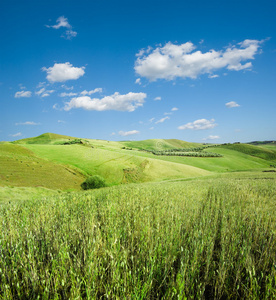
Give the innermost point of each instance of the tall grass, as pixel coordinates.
(179, 240)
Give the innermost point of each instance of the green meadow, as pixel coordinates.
(165, 227)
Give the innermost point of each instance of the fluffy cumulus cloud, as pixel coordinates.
(172, 61)
(62, 22)
(211, 137)
(128, 102)
(127, 133)
(174, 109)
(63, 72)
(162, 120)
(201, 124)
(23, 94)
(27, 123)
(232, 104)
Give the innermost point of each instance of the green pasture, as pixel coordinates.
(208, 238)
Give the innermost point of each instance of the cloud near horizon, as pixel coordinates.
(128, 102)
(62, 72)
(201, 124)
(27, 123)
(211, 137)
(127, 133)
(172, 61)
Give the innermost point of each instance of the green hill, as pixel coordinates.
(252, 150)
(20, 167)
(159, 144)
(45, 138)
(62, 162)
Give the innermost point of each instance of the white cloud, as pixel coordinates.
(157, 98)
(168, 113)
(199, 125)
(113, 133)
(23, 94)
(211, 137)
(174, 109)
(67, 87)
(97, 90)
(232, 104)
(151, 120)
(138, 81)
(27, 123)
(67, 94)
(213, 76)
(62, 72)
(44, 93)
(151, 128)
(172, 61)
(63, 22)
(60, 121)
(126, 133)
(16, 134)
(162, 120)
(128, 102)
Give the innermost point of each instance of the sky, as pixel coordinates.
(195, 70)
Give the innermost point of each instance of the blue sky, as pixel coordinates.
(200, 71)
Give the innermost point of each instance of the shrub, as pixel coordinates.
(93, 182)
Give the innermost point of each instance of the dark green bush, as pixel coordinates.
(93, 182)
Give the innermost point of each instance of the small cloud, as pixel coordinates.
(151, 128)
(113, 133)
(232, 104)
(174, 109)
(138, 81)
(44, 93)
(201, 41)
(168, 113)
(63, 22)
(211, 137)
(213, 76)
(56, 106)
(22, 87)
(151, 120)
(157, 98)
(27, 123)
(23, 94)
(67, 94)
(60, 121)
(68, 88)
(201, 124)
(63, 72)
(127, 133)
(162, 120)
(16, 134)
(97, 90)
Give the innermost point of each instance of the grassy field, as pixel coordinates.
(167, 227)
(197, 239)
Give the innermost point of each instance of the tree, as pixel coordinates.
(93, 182)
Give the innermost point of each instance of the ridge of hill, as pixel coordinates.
(45, 138)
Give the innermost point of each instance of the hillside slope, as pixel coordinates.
(20, 167)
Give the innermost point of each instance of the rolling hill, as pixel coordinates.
(63, 162)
